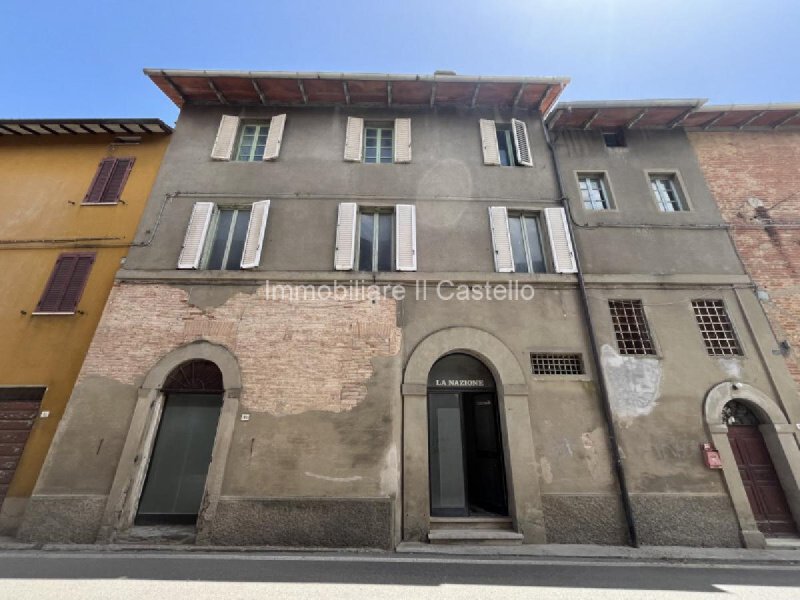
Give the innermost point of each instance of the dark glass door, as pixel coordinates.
(467, 474)
(760, 480)
(486, 473)
(181, 454)
(446, 455)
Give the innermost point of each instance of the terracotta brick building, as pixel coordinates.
(755, 177)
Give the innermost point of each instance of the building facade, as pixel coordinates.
(383, 309)
(72, 195)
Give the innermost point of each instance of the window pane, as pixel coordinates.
(220, 239)
(517, 245)
(234, 261)
(504, 144)
(385, 242)
(365, 242)
(535, 245)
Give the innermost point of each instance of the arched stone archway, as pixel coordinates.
(779, 436)
(524, 495)
(132, 468)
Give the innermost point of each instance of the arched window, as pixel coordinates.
(736, 412)
(199, 376)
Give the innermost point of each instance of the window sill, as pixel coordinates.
(37, 314)
(101, 203)
(561, 378)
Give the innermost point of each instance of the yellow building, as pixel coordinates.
(71, 195)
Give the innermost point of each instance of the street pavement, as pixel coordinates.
(41, 575)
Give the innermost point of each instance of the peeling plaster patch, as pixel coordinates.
(390, 472)
(731, 366)
(547, 471)
(633, 383)
(335, 479)
(589, 454)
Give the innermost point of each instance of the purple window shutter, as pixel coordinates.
(100, 181)
(66, 283)
(119, 175)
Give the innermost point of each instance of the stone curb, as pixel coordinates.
(555, 551)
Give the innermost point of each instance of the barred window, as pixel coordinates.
(630, 327)
(716, 327)
(548, 363)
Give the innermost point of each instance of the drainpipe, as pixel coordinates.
(608, 414)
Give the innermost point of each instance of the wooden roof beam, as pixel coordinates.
(173, 86)
(346, 90)
(636, 119)
(475, 95)
(786, 120)
(216, 90)
(591, 119)
(751, 119)
(518, 95)
(713, 121)
(680, 118)
(259, 91)
(302, 91)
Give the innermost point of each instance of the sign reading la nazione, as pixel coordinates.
(459, 383)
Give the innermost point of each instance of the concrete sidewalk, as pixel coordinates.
(786, 554)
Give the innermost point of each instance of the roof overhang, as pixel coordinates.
(628, 114)
(118, 127)
(667, 114)
(279, 88)
(744, 117)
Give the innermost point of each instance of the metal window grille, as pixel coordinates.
(630, 327)
(547, 363)
(716, 328)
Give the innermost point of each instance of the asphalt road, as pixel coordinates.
(173, 576)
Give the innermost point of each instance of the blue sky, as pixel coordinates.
(80, 58)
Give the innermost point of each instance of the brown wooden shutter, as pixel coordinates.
(112, 173)
(66, 283)
(100, 181)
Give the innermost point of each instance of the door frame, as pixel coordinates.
(126, 490)
(781, 439)
(522, 481)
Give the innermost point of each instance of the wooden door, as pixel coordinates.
(18, 412)
(761, 482)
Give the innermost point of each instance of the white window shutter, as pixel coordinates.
(402, 140)
(501, 239)
(226, 138)
(254, 242)
(346, 237)
(195, 237)
(491, 151)
(521, 144)
(560, 242)
(274, 137)
(353, 139)
(405, 218)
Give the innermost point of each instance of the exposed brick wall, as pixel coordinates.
(295, 354)
(764, 166)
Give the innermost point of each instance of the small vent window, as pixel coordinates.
(630, 327)
(547, 363)
(716, 328)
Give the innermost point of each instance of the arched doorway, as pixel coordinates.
(761, 483)
(178, 468)
(467, 470)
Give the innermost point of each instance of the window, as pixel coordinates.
(526, 244)
(378, 144)
(67, 281)
(375, 241)
(110, 178)
(226, 244)
(593, 192)
(505, 144)
(252, 141)
(547, 363)
(248, 141)
(614, 139)
(630, 327)
(228, 238)
(667, 193)
(716, 328)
